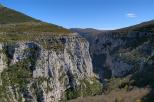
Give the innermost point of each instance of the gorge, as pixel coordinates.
(43, 62)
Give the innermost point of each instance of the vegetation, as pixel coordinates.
(33, 27)
(140, 79)
(11, 16)
(144, 79)
(15, 26)
(16, 76)
(1, 6)
(143, 27)
(85, 88)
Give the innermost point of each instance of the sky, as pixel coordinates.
(98, 14)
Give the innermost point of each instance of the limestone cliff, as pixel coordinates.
(120, 52)
(35, 74)
(42, 62)
(124, 60)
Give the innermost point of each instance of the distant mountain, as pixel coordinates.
(86, 31)
(145, 26)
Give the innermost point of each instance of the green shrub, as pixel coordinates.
(86, 88)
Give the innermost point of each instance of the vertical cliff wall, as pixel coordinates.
(52, 69)
(121, 52)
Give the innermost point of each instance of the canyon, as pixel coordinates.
(43, 62)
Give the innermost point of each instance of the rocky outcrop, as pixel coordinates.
(3, 63)
(107, 45)
(47, 70)
(118, 53)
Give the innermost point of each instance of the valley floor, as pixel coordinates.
(117, 96)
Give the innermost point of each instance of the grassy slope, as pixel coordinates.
(13, 24)
(10, 16)
(144, 27)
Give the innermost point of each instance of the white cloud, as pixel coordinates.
(131, 15)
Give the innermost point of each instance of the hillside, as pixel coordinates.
(86, 30)
(11, 16)
(13, 22)
(42, 62)
(123, 60)
(142, 27)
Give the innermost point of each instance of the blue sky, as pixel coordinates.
(100, 14)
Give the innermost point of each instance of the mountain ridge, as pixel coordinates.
(130, 28)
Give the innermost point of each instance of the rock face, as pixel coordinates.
(60, 71)
(2, 62)
(123, 59)
(42, 62)
(119, 53)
